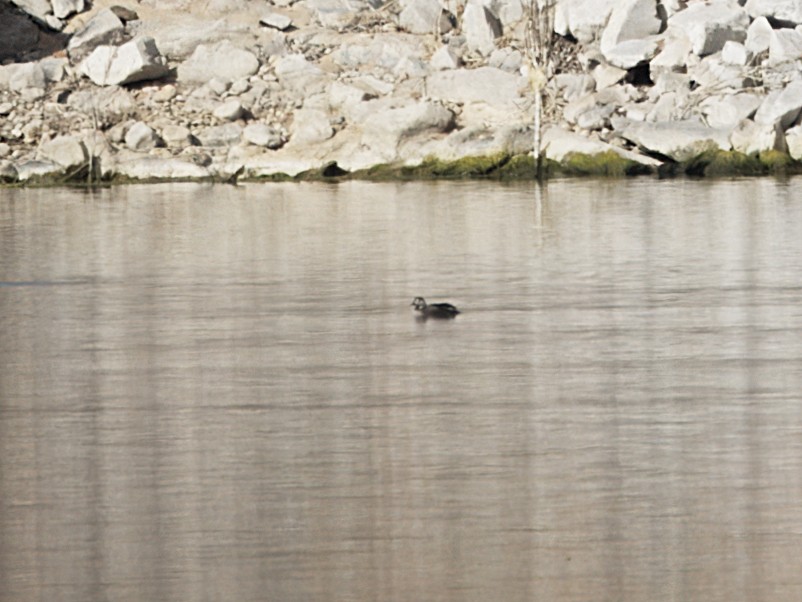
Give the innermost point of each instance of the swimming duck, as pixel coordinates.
(434, 310)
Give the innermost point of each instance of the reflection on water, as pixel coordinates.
(220, 393)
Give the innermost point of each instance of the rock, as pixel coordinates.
(176, 136)
(39, 9)
(67, 151)
(558, 144)
(124, 13)
(260, 134)
(165, 93)
(64, 8)
(709, 26)
(33, 170)
(750, 137)
(22, 76)
(480, 140)
(230, 110)
(583, 19)
(310, 126)
(727, 111)
(444, 58)
(673, 57)
(788, 11)
(678, 140)
(134, 61)
(335, 14)
(420, 16)
(5, 150)
(606, 75)
(54, 68)
(159, 168)
(784, 45)
(107, 106)
(141, 137)
(793, 140)
(6, 108)
(712, 72)
(485, 84)
(342, 94)
(630, 20)
(506, 59)
(632, 52)
(758, 35)
(301, 76)
(223, 61)
(8, 173)
(781, 106)
(481, 27)
(735, 53)
(276, 21)
(573, 86)
(105, 28)
(385, 130)
(227, 134)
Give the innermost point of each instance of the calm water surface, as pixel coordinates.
(221, 394)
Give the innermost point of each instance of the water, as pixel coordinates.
(219, 393)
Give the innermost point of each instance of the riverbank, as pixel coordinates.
(243, 89)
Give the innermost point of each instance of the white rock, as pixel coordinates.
(632, 52)
(420, 16)
(485, 84)
(782, 10)
(22, 76)
(231, 110)
(176, 136)
(36, 8)
(227, 134)
(506, 59)
(784, 45)
(630, 20)
(6, 108)
(729, 110)
(301, 76)
(223, 61)
(105, 28)
(679, 140)
(165, 93)
(583, 19)
(160, 168)
(310, 126)
(444, 58)
(758, 35)
(32, 170)
(342, 94)
(260, 134)
(673, 57)
(709, 26)
(5, 150)
(67, 151)
(134, 61)
(793, 140)
(141, 137)
(713, 72)
(606, 75)
(385, 130)
(559, 143)
(64, 8)
(276, 21)
(109, 105)
(54, 68)
(735, 53)
(781, 106)
(335, 14)
(481, 27)
(574, 85)
(750, 137)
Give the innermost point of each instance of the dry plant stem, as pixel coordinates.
(539, 43)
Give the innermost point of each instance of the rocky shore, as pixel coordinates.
(251, 89)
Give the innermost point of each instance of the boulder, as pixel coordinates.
(606, 75)
(67, 151)
(40, 9)
(134, 61)
(276, 21)
(735, 53)
(444, 58)
(32, 170)
(630, 20)
(784, 45)
(793, 140)
(713, 72)
(231, 110)
(485, 84)
(572, 86)
(18, 77)
(335, 14)
(481, 27)
(758, 35)
(223, 61)
(729, 110)
(583, 19)
(160, 168)
(678, 140)
(558, 143)
(781, 106)
(310, 126)
(506, 59)
(227, 134)
(8, 173)
(107, 106)
(301, 76)
(105, 28)
(751, 138)
(709, 26)
(64, 8)
(420, 16)
(176, 136)
(342, 95)
(788, 11)
(54, 68)
(632, 53)
(673, 57)
(260, 134)
(385, 130)
(141, 137)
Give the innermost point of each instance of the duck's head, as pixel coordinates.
(419, 303)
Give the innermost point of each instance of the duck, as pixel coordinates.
(443, 311)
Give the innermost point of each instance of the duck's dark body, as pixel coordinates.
(443, 311)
